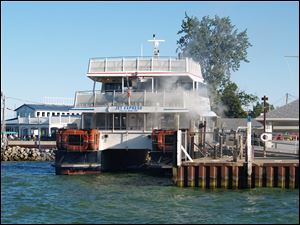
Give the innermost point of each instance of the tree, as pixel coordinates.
(258, 109)
(219, 48)
(231, 100)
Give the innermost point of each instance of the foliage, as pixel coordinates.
(219, 48)
(258, 109)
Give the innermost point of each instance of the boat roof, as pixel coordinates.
(143, 67)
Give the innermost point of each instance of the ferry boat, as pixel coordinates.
(139, 97)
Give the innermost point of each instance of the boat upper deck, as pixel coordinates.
(143, 66)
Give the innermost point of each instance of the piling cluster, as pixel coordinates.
(17, 153)
(268, 173)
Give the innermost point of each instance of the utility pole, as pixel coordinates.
(249, 158)
(286, 98)
(265, 98)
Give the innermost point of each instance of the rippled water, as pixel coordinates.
(32, 193)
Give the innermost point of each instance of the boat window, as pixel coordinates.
(87, 121)
(112, 87)
(76, 139)
(117, 121)
(123, 121)
(100, 121)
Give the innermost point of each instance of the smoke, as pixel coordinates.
(178, 92)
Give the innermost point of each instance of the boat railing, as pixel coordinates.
(144, 64)
(180, 99)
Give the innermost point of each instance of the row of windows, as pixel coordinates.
(55, 114)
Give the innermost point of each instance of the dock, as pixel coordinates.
(224, 173)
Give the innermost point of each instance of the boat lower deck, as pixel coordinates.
(70, 162)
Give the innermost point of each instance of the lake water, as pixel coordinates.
(32, 193)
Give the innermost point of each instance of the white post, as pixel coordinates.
(269, 134)
(186, 65)
(152, 84)
(82, 121)
(178, 147)
(186, 154)
(249, 147)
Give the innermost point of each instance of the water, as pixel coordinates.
(32, 193)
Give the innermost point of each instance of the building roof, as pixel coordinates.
(288, 111)
(234, 123)
(47, 107)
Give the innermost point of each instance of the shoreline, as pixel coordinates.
(18, 153)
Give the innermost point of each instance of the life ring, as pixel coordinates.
(264, 135)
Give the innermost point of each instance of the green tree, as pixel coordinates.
(219, 48)
(258, 109)
(230, 98)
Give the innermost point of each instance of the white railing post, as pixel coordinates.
(186, 65)
(249, 147)
(152, 84)
(186, 154)
(178, 148)
(145, 97)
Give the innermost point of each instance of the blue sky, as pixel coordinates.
(45, 46)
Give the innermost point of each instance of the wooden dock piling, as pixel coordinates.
(224, 173)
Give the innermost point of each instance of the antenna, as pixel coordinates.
(155, 45)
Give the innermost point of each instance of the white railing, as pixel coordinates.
(163, 99)
(143, 64)
(48, 120)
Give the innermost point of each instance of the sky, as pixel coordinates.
(46, 46)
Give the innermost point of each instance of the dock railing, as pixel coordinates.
(233, 145)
